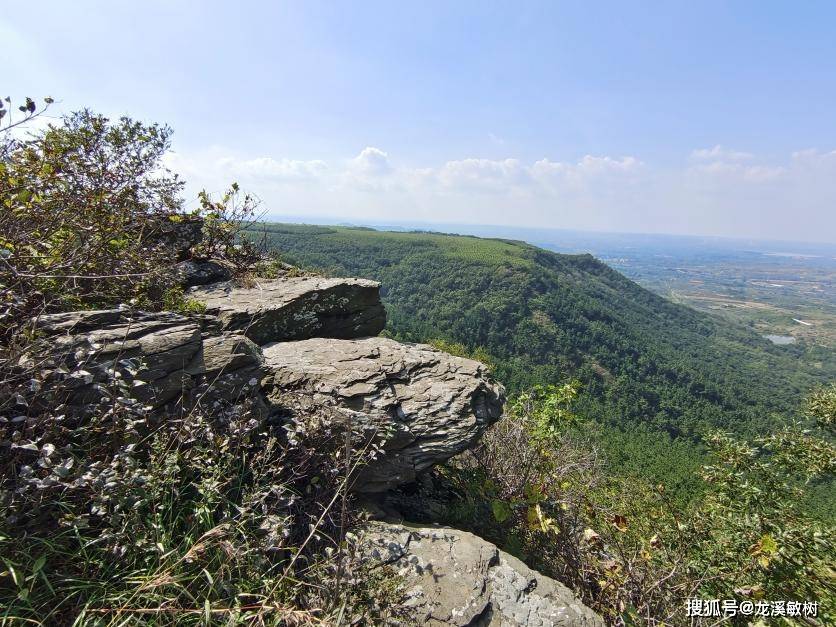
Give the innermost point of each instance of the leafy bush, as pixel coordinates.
(821, 407)
(174, 299)
(460, 350)
(92, 219)
(224, 221)
(537, 486)
(751, 536)
(86, 209)
(115, 514)
(203, 520)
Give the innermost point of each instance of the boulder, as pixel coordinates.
(456, 578)
(152, 358)
(296, 308)
(425, 405)
(190, 273)
(177, 236)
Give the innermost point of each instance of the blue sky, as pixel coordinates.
(711, 118)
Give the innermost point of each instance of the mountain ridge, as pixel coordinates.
(546, 316)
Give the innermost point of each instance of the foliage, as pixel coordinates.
(92, 219)
(174, 299)
(271, 267)
(751, 535)
(555, 506)
(655, 375)
(202, 520)
(8, 121)
(821, 406)
(84, 208)
(460, 350)
(114, 514)
(548, 408)
(224, 219)
(624, 545)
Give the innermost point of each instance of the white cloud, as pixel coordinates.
(371, 162)
(589, 167)
(731, 166)
(277, 170)
(814, 158)
(720, 153)
(738, 172)
(712, 191)
(482, 174)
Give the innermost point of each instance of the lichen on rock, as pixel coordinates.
(454, 578)
(296, 308)
(426, 405)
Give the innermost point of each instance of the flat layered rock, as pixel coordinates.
(152, 358)
(296, 308)
(456, 578)
(426, 405)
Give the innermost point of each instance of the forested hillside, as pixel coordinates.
(642, 360)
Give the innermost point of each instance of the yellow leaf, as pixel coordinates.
(620, 522)
(766, 546)
(531, 516)
(538, 522)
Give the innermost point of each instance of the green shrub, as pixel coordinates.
(537, 485)
(88, 216)
(174, 299)
(460, 350)
(85, 204)
(115, 515)
(821, 407)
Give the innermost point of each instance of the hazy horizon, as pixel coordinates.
(470, 228)
(709, 119)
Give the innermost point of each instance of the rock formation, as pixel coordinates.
(308, 343)
(422, 404)
(150, 358)
(456, 578)
(427, 404)
(296, 308)
(191, 273)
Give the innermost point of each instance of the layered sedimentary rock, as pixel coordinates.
(152, 358)
(456, 578)
(296, 308)
(424, 404)
(419, 404)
